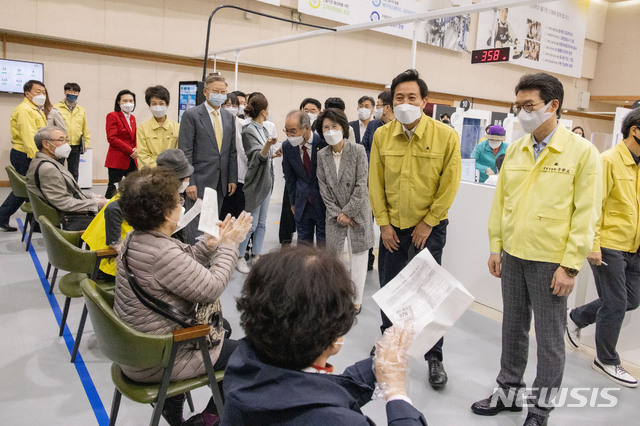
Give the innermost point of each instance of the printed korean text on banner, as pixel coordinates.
(548, 36)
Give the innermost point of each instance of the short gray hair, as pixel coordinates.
(46, 134)
(303, 118)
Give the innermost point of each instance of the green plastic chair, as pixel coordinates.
(19, 189)
(42, 208)
(124, 345)
(63, 253)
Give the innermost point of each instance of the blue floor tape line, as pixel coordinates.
(81, 368)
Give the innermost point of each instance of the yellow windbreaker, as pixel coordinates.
(76, 122)
(547, 210)
(96, 238)
(619, 224)
(26, 119)
(152, 139)
(414, 180)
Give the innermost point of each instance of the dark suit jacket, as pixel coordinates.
(355, 125)
(198, 141)
(298, 185)
(367, 138)
(122, 140)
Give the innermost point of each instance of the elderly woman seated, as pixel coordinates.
(174, 273)
(296, 307)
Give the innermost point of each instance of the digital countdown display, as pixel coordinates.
(489, 56)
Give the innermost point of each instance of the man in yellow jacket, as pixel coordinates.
(75, 118)
(414, 175)
(26, 119)
(541, 228)
(614, 258)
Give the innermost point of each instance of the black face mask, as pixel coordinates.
(446, 121)
(637, 140)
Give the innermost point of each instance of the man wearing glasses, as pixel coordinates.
(208, 138)
(541, 228)
(299, 162)
(52, 182)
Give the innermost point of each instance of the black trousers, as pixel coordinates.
(74, 160)
(391, 263)
(233, 204)
(116, 175)
(12, 203)
(287, 221)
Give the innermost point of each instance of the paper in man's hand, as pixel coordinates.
(209, 214)
(428, 297)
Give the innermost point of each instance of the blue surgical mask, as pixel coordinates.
(217, 99)
(72, 98)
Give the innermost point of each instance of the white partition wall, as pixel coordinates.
(467, 251)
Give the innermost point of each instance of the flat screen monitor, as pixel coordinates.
(190, 95)
(14, 74)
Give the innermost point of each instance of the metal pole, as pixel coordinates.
(215, 62)
(414, 44)
(228, 6)
(235, 81)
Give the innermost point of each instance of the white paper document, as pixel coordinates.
(468, 169)
(426, 296)
(190, 215)
(209, 213)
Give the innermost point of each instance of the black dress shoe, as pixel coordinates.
(485, 407)
(5, 227)
(534, 419)
(437, 376)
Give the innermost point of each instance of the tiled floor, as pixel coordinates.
(40, 386)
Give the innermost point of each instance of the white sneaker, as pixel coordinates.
(572, 332)
(242, 266)
(616, 373)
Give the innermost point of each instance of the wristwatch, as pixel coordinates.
(570, 271)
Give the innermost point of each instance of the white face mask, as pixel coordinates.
(407, 113)
(158, 111)
(530, 121)
(39, 99)
(377, 113)
(312, 117)
(183, 187)
(241, 109)
(364, 113)
(232, 110)
(494, 144)
(333, 137)
(128, 107)
(62, 151)
(295, 140)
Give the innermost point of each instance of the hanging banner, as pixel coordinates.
(548, 36)
(449, 33)
(273, 2)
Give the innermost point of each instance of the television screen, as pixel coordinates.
(190, 95)
(14, 74)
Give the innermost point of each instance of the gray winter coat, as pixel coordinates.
(176, 273)
(258, 181)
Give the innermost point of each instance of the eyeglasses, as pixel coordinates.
(528, 107)
(63, 139)
(290, 132)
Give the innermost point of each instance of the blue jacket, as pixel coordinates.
(367, 138)
(485, 157)
(299, 186)
(261, 394)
